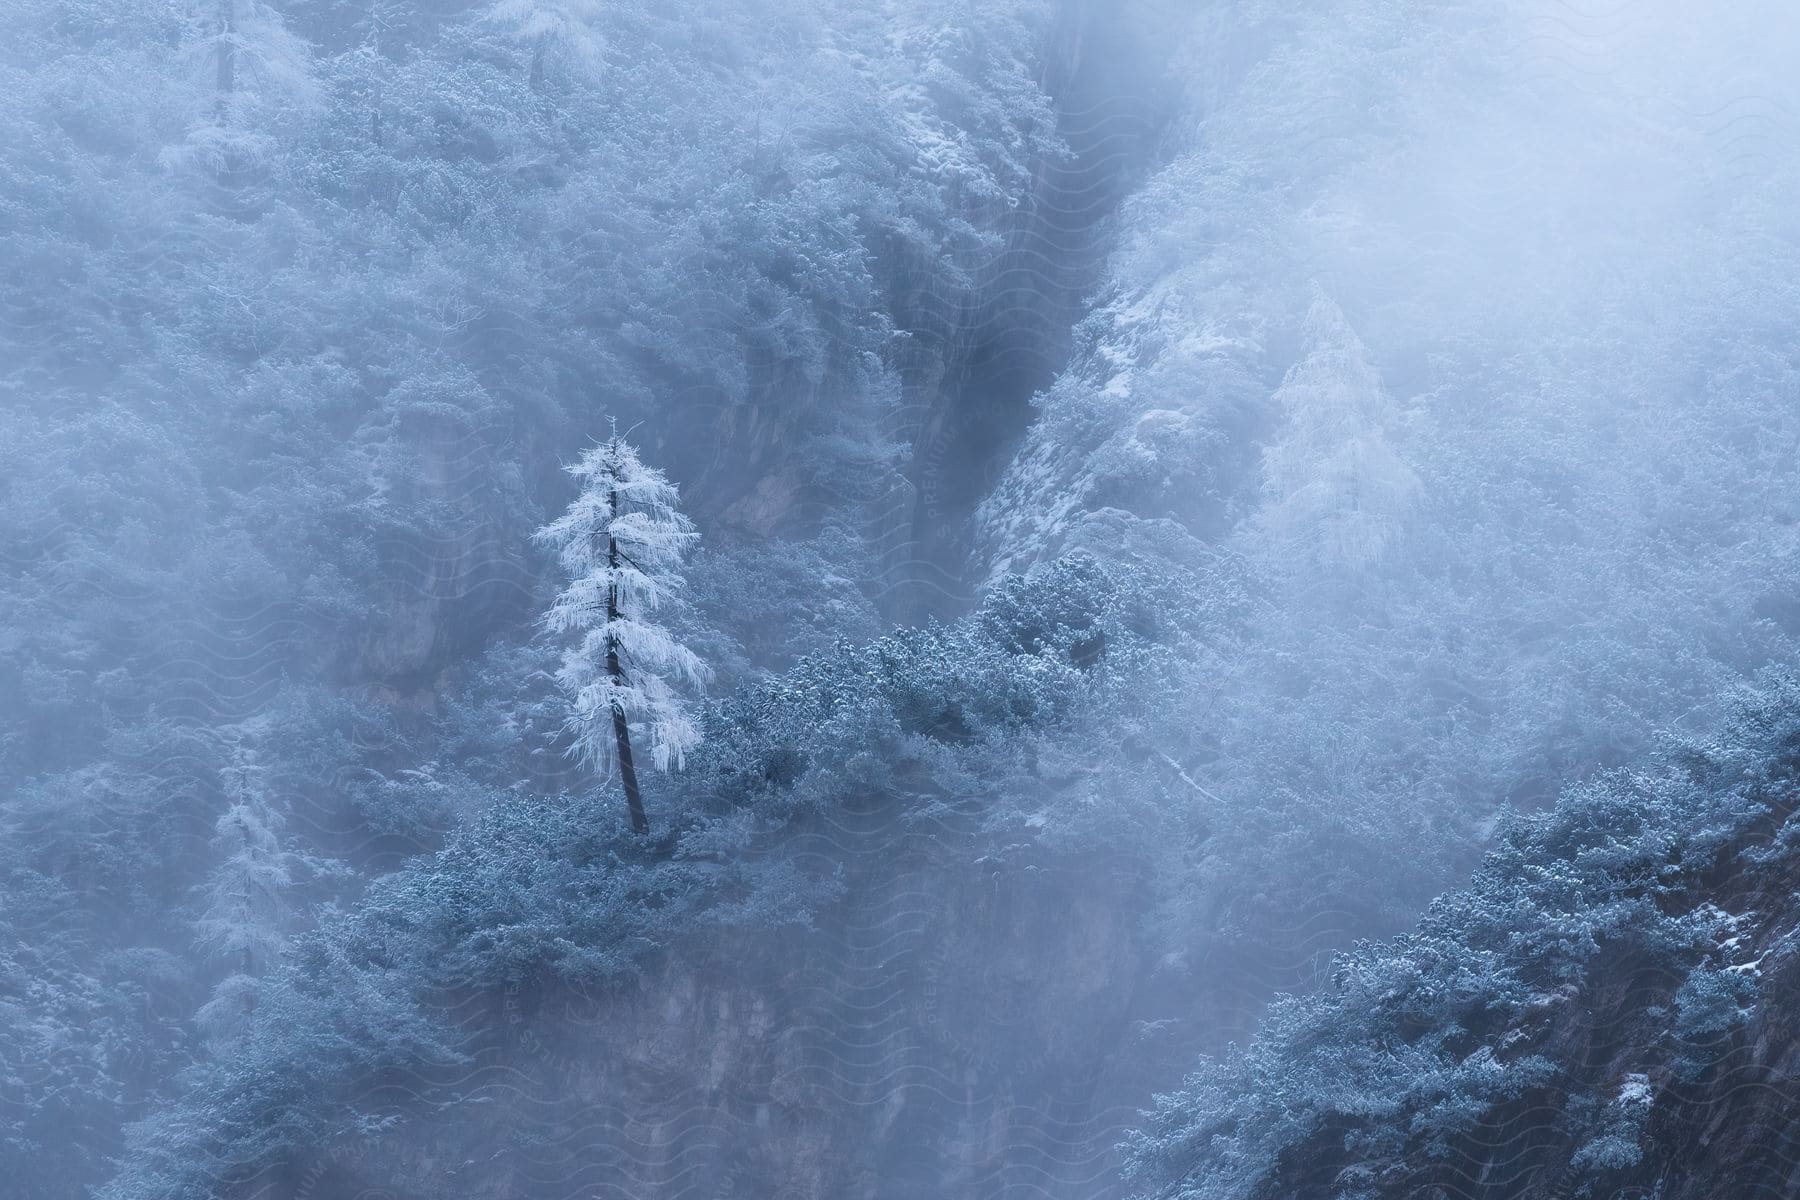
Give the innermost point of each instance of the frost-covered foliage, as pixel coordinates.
(1473, 353)
(1579, 926)
(547, 890)
(1335, 492)
(621, 544)
(246, 902)
(303, 302)
(1430, 441)
(1619, 1141)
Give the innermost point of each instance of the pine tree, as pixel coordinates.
(563, 29)
(1336, 491)
(245, 910)
(621, 543)
(249, 73)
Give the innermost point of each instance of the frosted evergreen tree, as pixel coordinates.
(622, 543)
(563, 29)
(1336, 492)
(242, 925)
(248, 70)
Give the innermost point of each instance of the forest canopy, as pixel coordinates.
(1104, 511)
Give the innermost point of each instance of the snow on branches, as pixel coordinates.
(621, 544)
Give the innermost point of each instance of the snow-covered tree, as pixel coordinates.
(563, 29)
(622, 543)
(245, 902)
(248, 71)
(1336, 492)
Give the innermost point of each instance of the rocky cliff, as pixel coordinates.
(948, 1027)
(1607, 1011)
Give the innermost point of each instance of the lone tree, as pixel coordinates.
(246, 902)
(1336, 492)
(621, 544)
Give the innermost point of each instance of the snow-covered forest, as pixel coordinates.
(1071, 599)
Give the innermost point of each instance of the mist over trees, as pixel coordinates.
(1176, 485)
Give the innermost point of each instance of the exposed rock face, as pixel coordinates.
(949, 1028)
(1672, 1075)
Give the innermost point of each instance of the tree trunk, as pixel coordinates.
(634, 799)
(227, 66)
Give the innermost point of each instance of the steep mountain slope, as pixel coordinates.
(1606, 1011)
(1462, 330)
(854, 963)
(311, 303)
(1392, 402)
